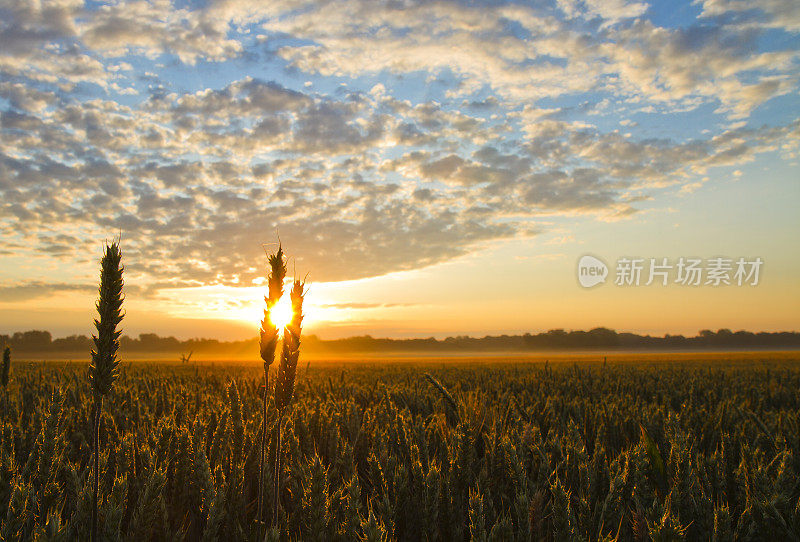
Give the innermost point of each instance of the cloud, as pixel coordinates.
(248, 96)
(365, 305)
(700, 63)
(783, 14)
(193, 211)
(486, 119)
(155, 28)
(610, 11)
(27, 291)
(547, 57)
(28, 24)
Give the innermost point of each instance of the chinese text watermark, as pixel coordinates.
(719, 271)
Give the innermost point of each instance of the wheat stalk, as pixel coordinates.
(5, 375)
(6, 365)
(104, 369)
(445, 394)
(268, 345)
(287, 370)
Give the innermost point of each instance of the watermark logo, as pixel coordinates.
(663, 271)
(591, 271)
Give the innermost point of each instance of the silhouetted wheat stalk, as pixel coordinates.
(268, 345)
(5, 375)
(287, 370)
(104, 368)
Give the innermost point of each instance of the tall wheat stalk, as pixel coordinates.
(5, 375)
(104, 368)
(284, 381)
(268, 345)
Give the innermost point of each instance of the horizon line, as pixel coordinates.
(698, 334)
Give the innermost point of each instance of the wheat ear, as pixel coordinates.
(284, 381)
(104, 369)
(446, 394)
(290, 353)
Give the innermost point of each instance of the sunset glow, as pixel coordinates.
(281, 313)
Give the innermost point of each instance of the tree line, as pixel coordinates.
(36, 341)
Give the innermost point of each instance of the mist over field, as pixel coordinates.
(40, 344)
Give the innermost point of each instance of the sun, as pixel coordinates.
(281, 313)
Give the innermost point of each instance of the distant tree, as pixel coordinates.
(33, 340)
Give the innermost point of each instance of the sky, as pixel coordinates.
(433, 168)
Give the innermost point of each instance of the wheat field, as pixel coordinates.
(692, 448)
